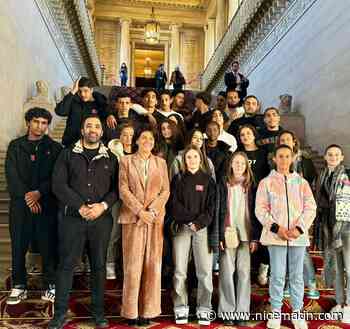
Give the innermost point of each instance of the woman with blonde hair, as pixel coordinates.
(239, 233)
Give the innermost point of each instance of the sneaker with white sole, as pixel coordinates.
(203, 318)
(181, 315)
(299, 323)
(312, 294)
(110, 271)
(49, 294)
(346, 314)
(16, 296)
(263, 274)
(337, 312)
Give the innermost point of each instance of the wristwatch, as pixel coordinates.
(105, 205)
(274, 228)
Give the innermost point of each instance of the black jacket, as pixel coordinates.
(29, 169)
(257, 121)
(231, 83)
(76, 181)
(268, 139)
(219, 156)
(75, 109)
(256, 226)
(193, 199)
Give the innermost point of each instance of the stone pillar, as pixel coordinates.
(174, 47)
(206, 59)
(210, 38)
(220, 20)
(232, 8)
(125, 42)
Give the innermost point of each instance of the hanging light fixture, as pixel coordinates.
(152, 30)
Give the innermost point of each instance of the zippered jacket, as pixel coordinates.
(287, 201)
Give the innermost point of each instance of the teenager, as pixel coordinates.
(81, 101)
(170, 141)
(179, 106)
(29, 165)
(144, 191)
(202, 115)
(217, 151)
(251, 116)
(192, 207)
(269, 134)
(286, 208)
(259, 165)
(195, 138)
(85, 182)
(332, 229)
(303, 165)
(165, 106)
(218, 117)
(119, 147)
(238, 234)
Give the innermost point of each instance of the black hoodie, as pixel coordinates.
(75, 109)
(219, 155)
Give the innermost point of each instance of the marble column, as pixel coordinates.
(232, 8)
(220, 20)
(174, 47)
(125, 42)
(210, 38)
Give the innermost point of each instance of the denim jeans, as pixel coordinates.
(73, 234)
(278, 262)
(342, 262)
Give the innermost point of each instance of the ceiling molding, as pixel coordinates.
(175, 4)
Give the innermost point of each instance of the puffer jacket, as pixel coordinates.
(287, 201)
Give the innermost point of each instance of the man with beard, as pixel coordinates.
(33, 208)
(251, 116)
(202, 114)
(178, 105)
(234, 109)
(80, 102)
(236, 80)
(217, 151)
(85, 183)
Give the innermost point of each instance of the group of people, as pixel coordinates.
(177, 79)
(219, 186)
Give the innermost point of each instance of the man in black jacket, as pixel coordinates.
(29, 164)
(77, 104)
(85, 183)
(236, 80)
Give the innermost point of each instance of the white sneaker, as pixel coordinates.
(16, 296)
(49, 294)
(262, 276)
(299, 323)
(203, 318)
(110, 271)
(337, 312)
(274, 323)
(346, 315)
(181, 315)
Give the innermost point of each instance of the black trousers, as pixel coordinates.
(26, 227)
(73, 234)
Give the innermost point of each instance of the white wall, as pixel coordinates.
(312, 63)
(27, 54)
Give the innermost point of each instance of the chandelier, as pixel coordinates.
(152, 30)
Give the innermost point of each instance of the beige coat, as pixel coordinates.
(142, 243)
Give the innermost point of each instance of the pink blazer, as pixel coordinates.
(133, 192)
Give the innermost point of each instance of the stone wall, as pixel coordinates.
(312, 63)
(28, 54)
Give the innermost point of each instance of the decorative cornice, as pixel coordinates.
(70, 28)
(175, 4)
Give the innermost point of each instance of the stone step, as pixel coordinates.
(4, 203)
(4, 216)
(4, 231)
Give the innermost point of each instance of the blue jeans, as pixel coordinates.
(278, 263)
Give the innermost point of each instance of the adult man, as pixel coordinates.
(217, 151)
(29, 164)
(234, 109)
(165, 106)
(81, 101)
(85, 182)
(236, 80)
(178, 105)
(202, 115)
(271, 131)
(251, 116)
(221, 103)
(122, 113)
(161, 78)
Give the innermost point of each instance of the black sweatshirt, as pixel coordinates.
(193, 198)
(259, 163)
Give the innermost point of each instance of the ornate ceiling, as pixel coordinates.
(185, 4)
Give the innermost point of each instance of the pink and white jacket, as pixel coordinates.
(287, 201)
